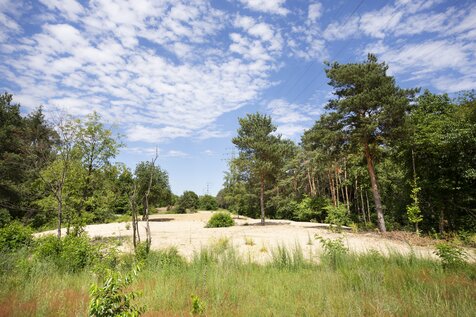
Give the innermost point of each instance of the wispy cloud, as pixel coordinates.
(103, 62)
(268, 6)
(291, 119)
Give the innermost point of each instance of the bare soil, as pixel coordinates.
(256, 243)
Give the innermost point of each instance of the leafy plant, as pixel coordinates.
(111, 298)
(337, 216)
(219, 220)
(413, 210)
(334, 250)
(450, 255)
(14, 236)
(70, 253)
(198, 306)
(249, 241)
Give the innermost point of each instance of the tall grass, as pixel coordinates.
(227, 285)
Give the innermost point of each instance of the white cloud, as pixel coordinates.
(71, 9)
(291, 119)
(98, 64)
(314, 11)
(400, 18)
(175, 153)
(267, 6)
(432, 61)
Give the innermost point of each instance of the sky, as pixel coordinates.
(176, 75)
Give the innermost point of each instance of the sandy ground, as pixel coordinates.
(188, 234)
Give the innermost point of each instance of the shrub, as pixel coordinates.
(189, 200)
(14, 236)
(450, 255)
(337, 216)
(142, 250)
(71, 253)
(310, 209)
(334, 251)
(198, 306)
(111, 299)
(208, 202)
(219, 220)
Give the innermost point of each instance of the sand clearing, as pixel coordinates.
(188, 234)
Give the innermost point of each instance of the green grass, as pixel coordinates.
(227, 285)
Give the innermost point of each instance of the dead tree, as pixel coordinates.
(135, 219)
(146, 200)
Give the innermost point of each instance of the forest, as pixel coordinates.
(380, 157)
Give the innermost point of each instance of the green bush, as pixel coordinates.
(111, 298)
(334, 251)
(208, 202)
(189, 200)
(451, 256)
(70, 253)
(310, 209)
(198, 306)
(219, 220)
(14, 236)
(337, 216)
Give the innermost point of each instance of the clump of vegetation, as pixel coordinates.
(188, 201)
(337, 216)
(111, 297)
(14, 236)
(288, 259)
(334, 251)
(450, 255)
(249, 241)
(71, 253)
(208, 202)
(198, 306)
(220, 220)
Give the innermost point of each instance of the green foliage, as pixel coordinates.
(15, 236)
(451, 256)
(160, 193)
(413, 210)
(220, 219)
(142, 251)
(337, 216)
(188, 201)
(208, 202)
(261, 153)
(334, 251)
(283, 258)
(198, 306)
(111, 298)
(71, 253)
(310, 209)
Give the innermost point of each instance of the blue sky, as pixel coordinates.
(178, 74)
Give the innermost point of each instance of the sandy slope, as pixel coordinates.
(188, 234)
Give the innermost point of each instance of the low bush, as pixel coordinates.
(14, 236)
(219, 220)
(451, 256)
(334, 251)
(71, 253)
(112, 299)
(337, 216)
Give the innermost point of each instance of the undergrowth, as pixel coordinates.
(217, 281)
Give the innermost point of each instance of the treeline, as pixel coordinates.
(62, 172)
(380, 156)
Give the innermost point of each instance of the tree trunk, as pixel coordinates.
(375, 191)
(60, 216)
(346, 190)
(332, 189)
(261, 200)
